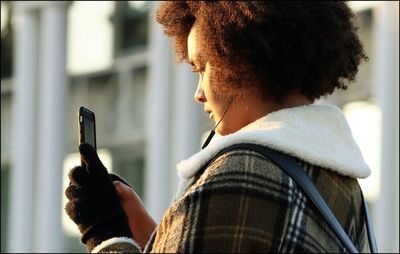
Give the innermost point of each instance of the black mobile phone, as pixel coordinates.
(87, 127)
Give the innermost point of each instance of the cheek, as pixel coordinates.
(216, 100)
(211, 84)
(209, 93)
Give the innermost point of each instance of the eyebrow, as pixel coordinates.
(193, 60)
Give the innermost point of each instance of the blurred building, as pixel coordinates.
(113, 58)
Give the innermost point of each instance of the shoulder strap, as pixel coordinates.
(290, 166)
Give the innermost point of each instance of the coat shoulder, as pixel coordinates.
(244, 200)
(244, 163)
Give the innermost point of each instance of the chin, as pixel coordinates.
(224, 130)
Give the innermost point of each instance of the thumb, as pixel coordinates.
(91, 159)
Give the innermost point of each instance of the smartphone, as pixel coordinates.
(87, 127)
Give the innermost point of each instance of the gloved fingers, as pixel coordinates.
(73, 192)
(79, 176)
(92, 160)
(75, 210)
(90, 209)
(115, 177)
(86, 191)
(89, 155)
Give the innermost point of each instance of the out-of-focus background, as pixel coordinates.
(112, 57)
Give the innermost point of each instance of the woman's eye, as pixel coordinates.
(198, 69)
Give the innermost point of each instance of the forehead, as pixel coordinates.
(192, 44)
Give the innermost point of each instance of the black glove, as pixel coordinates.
(94, 204)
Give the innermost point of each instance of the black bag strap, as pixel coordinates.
(290, 166)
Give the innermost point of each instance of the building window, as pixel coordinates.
(6, 40)
(133, 171)
(130, 25)
(90, 37)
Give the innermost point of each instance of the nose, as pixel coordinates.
(199, 95)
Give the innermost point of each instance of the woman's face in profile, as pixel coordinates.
(240, 112)
(214, 104)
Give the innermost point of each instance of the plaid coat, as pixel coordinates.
(242, 202)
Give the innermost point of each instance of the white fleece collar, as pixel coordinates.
(317, 134)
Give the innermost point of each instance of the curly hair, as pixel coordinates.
(278, 47)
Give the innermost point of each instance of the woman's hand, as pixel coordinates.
(93, 202)
(140, 222)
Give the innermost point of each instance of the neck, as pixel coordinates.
(251, 107)
(293, 99)
(258, 108)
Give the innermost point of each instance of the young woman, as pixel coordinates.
(261, 66)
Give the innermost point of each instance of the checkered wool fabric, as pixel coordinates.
(244, 203)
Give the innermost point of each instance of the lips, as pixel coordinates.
(209, 112)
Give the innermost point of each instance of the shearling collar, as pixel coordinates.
(317, 134)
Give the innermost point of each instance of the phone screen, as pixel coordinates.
(87, 127)
(89, 132)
